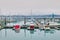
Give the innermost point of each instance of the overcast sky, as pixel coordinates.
(24, 7)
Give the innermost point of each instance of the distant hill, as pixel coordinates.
(34, 16)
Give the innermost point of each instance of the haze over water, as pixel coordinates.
(23, 7)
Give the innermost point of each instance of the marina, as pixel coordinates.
(29, 28)
(29, 19)
(25, 21)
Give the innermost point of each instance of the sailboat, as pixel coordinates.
(47, 27)
(31, 27)
(54, 24)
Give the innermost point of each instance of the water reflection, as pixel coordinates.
(31, 31)
(17, 31)
(25, 32)
(5, 32)
(51, 31)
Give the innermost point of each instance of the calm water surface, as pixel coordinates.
(24, 34)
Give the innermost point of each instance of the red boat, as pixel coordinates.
(16, 27)
(31, 27)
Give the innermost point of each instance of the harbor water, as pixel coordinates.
(24, 34)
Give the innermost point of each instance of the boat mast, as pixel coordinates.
(31, 15)
(53, 17)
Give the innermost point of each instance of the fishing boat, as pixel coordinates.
(46, 28)
(54, 24)
(51, 24)
(31, 25)
(16, 27)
